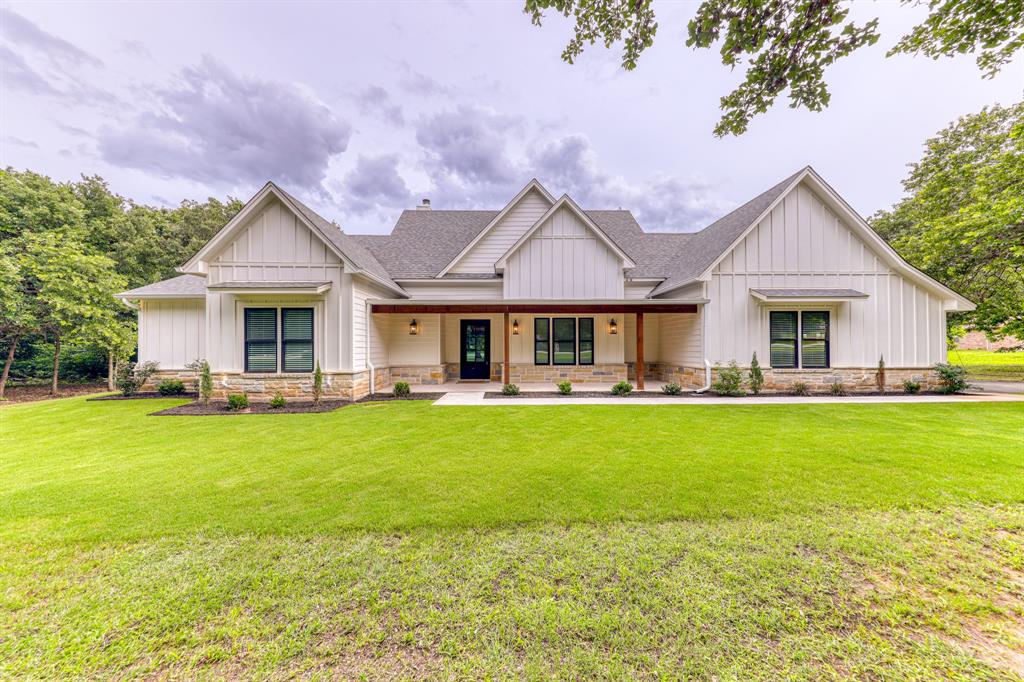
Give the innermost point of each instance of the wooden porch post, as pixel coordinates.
(506, 369)
(639, 351)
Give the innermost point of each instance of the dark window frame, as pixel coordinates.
(828, 338)
(283, 343)
(554, 341)
(248, 341)
(580, 341)
(796, 339)
(546, 341)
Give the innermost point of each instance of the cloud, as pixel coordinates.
(136, 48)
(18, 142)
(18, 75)
(375, 185)
(417, 83)
(21, 31)
(661, 202)
(375, 101)
(216, 126)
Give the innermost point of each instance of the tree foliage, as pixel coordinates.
(788, 44)
(963, 219)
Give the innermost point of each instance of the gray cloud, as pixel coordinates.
(18, 142)
(376, 185)
(417, 83)
(662, 202)
(21, 31)
(136, 48)
(219, 127)
(375, 101)
(18, 75)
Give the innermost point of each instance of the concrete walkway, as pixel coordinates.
(477, 398)
(997, 386)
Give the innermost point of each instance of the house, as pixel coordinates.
(542, 290)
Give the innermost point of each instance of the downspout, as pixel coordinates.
(704, 347)
(369, 362)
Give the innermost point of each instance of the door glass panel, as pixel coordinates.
(586, 340)
(564, 337)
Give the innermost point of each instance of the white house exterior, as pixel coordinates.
(543, 290)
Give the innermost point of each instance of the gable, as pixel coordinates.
(481, 256)
(563, 258)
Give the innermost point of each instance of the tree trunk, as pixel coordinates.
(7, 365)
(110, 370)
(56, 365)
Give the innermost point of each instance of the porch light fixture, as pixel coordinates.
(414, 327)
(613, 326)
(515, 327)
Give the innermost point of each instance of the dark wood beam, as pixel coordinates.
(576, 308)
(506, 368)
(639, 351)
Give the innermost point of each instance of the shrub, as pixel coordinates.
(277, 402)
(799, 388)
(672, 389)
(565, 387)
(318, 384)
(623, 388)
(238, 401)
(510, 389)
(756, 376)
(171, 387)
(205, 382)
(952, 378)
(911, 387)
(837, 388)
(880, 374)
(730, 380)
(196, 367)
(131, 376)
(401, 389)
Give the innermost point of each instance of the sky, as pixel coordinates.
(364, 109)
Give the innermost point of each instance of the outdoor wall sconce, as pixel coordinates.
(613, 326)
(414, 328)
(515, 327)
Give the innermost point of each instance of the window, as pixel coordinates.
(586, 340)
(814, 338)
(297, 339)
(260, 339)
(564, 339)
(799, 342)
(783, 338)
(542, 341)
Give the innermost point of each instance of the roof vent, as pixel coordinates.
(425, 206)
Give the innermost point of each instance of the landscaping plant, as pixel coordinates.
(510, 389)
(238, 402)
(205, 383)
(880, 374)
(730, 380)
(196, 367)
(756, 376)
(911, 387)
(799, 388)
(672, 389)
(401, 389)
(318, 384)
(277, 402)
(952, 378)
(623, 388)
(565, 387)
(131, 376)
(837, 388)
(171, 387)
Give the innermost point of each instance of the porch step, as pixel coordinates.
(473, 381)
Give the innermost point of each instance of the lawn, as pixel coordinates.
(990, 365)
(406, 540)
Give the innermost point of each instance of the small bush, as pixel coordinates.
(277, 402)
(756, 376)
(171, 387)
(318, 384)
(196, 367)
(730, 380)
(131, 377)
(911, 387)
(880, 374)
(401, 389)
(952, 378)
(510, 389)
(205, 383)
(623, 388)
(799, 388)
(238, 401)
(837, 388)
(565, 387)
(672, 389)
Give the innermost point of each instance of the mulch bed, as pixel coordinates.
(691, 396)
(142, 396)
(26, 394)
(195, 409)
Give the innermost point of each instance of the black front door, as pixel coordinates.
(475, 342)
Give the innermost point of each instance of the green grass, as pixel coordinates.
(989, 365)
(405, 540)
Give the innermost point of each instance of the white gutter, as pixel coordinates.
(369, 362)
(126, 302)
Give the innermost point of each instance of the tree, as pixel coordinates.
(17, 309)
(787, 44)
(963, 219)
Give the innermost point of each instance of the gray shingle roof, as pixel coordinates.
(810, 293)
(183, 285)
(264, 284)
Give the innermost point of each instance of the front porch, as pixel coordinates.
(454, 386)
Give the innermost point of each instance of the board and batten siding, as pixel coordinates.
(454, 290)
(506, 232)
(172, 333)
(802, 243)
(363, 290)
(564, 259)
